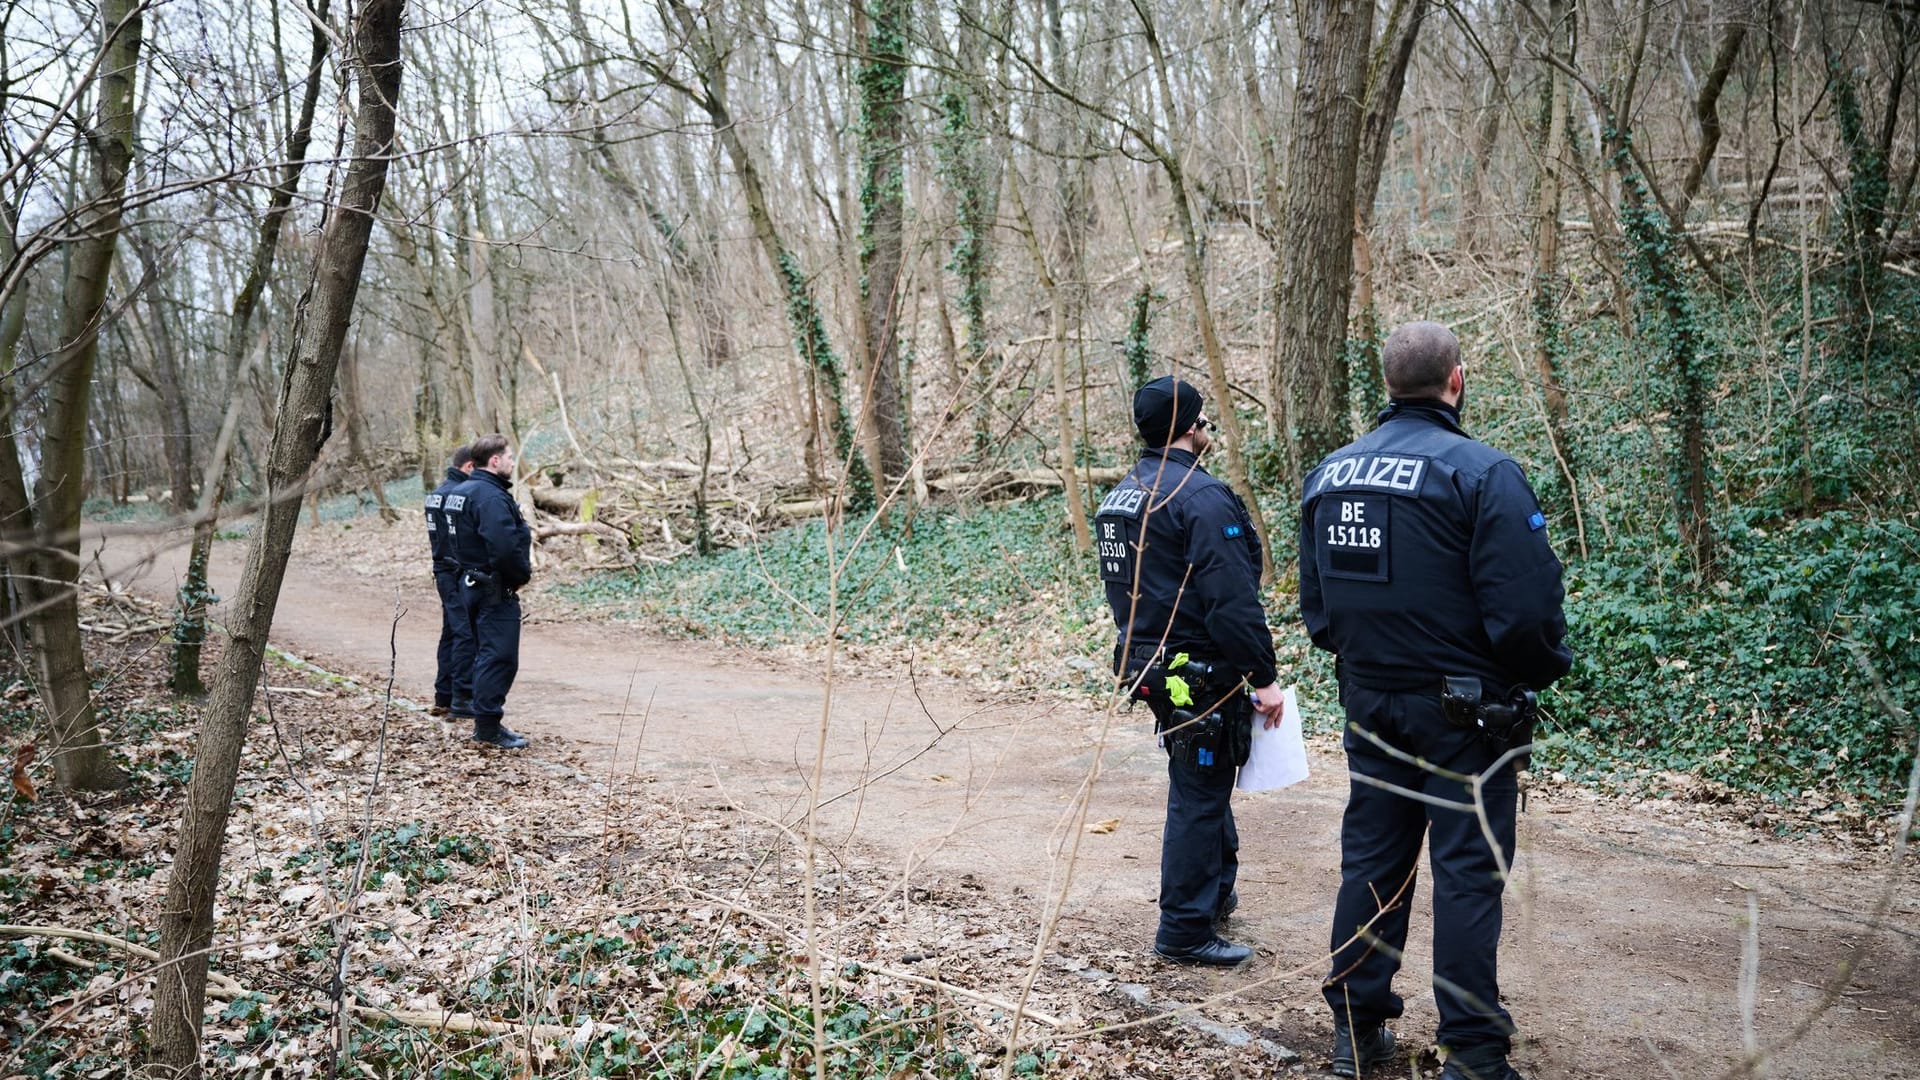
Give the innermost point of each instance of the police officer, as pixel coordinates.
(1181, 564)
(494, 548)
(450, 681)
(1425, 568)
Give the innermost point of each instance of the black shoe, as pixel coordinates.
(1479, 1063)
(438, 710)
(1227, 907)
(1214, 952)
(1374, 1045)
(494, 733)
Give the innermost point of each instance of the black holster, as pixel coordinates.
(1502, 723)
(486, 584)
(1215, 731)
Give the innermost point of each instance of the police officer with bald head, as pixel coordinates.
(1425, 568)
(1180, 560)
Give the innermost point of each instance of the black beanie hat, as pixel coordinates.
(1165, 408)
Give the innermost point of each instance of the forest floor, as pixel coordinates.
(951, 820)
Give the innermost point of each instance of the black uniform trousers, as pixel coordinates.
(493, 620)
(453, 669)
(1379, 858)
(1199, 852)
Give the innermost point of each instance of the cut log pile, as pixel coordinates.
(647, 509)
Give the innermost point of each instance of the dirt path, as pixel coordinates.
(1624, 933)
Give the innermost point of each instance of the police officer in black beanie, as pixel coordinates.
(495, 550)
(1425, 567)
(1180, 559)
(451, 680)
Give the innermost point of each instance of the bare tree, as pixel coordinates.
(190, 627)
(304, 418)
(1317, 265)
(47, 575)
(803, 311)
(883, 131)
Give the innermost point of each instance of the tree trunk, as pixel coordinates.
(357, 437)
(1548, 285)
(190, 627)
(971, 172)
(1193, 261)
(80, 759)
(1057, 355)
(1684, 378)
(1486, 136)
(1386, 78)
(804, 321)
(1317, 262)
(16, 519)
(883, 129)
(302, 424)
(1706, 110)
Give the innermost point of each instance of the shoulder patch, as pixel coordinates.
(1232, 531)
(1537, 522)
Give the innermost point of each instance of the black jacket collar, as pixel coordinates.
(505, 483)
(1431, 410)
(455, 476)
(1174, 455)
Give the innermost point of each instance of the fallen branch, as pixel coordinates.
(301, 690)
(460, 1023)
(1002, 1004)
(224, 988)
(579, 528)
(219, 983)
(997, 479)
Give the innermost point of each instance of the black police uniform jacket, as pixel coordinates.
(490, 535)
(1179, 556)
(439, 515)
(1423, 553)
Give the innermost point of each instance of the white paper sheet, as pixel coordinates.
(1279, 756)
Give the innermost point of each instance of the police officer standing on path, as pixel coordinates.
(450, 680)
(1425, 567)
(1180, 560)
(494, 548)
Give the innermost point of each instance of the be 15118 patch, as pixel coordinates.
(1351, 536)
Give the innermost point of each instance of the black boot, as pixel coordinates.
(1479, 1063)
(1227, 907)
(1216, 951)
(495, 733)
(1366, 1048)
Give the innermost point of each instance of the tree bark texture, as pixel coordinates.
(1317, 262)
(883, 129)
(303, 423)
(1548, 283)
(80, 759)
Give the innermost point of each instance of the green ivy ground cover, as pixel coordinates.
(1775, 679)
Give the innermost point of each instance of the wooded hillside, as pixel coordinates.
(720, 268)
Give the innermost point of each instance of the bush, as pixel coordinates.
(1769, 680)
